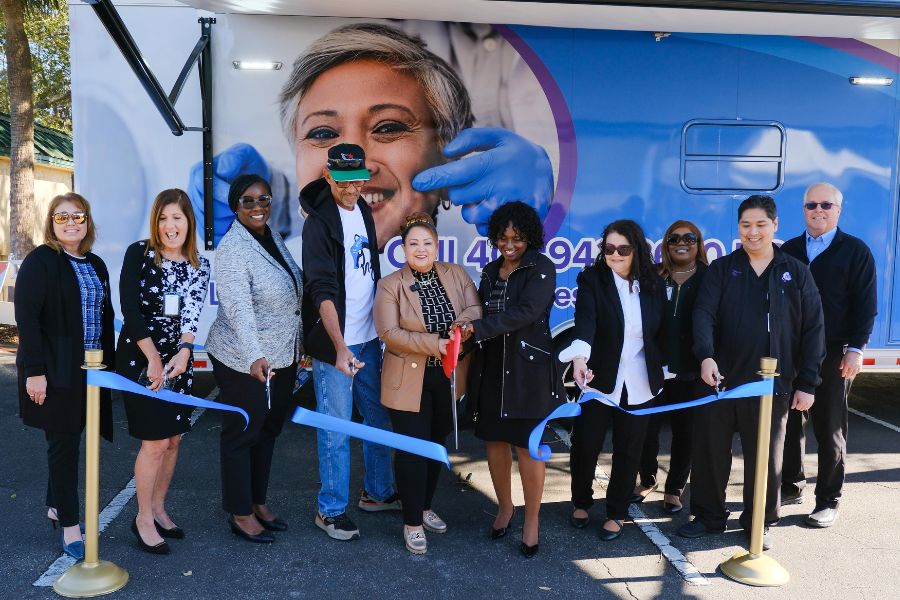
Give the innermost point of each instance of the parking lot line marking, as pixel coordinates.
(107, 515)
(860, 413)
(679, 562)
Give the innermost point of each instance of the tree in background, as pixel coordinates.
(19, 74)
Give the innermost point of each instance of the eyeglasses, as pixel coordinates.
(686, 238)
(623, 250)
(824, 205)
(61, 218)
(345, 184)
(249, 202)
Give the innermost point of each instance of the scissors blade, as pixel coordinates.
(453, 408)
(269, 388)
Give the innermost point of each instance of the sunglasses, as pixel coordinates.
(249, 202)
(345, 184)
(824, 205)
(623, 250)
(61, 218)
(686, 238)
(346, 163)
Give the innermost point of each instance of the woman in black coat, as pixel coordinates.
(619, 322)
(512, 379)
(63, 307)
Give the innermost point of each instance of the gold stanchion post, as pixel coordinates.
(753, 567)
(91, 577)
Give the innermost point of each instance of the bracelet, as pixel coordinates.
(186, 346)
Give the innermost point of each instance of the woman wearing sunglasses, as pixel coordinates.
(63, 307)
(618, 347)
(683, 265)
(162, 289)
(254, 345)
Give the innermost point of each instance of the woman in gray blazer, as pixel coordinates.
(254, 345)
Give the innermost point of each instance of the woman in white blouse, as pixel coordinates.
(618, 349)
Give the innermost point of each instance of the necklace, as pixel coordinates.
(691, 270)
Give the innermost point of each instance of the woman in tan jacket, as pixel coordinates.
(415, 308)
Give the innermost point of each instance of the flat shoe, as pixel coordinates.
(696, 529)
(415, 541)
(433, 523)
(176, 533)
(75, 549)
(606, 535)
(260, 538)
(824, 517)
(160, 548)
(579, 522)
(638, 498)
(276, 524)
(672, 509)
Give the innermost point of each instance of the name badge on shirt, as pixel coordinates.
(669, 290)
(172, 305)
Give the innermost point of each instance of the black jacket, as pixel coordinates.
(531, 387)
(845, 276)
(51, 341)
(797, 336)
(323, 264)
(600, 321)
(679, 326)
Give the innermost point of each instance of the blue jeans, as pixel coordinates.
(335, 397)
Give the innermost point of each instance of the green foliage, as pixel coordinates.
(47, 28)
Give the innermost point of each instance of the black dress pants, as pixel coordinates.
(829, 418)
(246, 455)
(417, 476)
(588, 436)
(62, 483)
(714, 428)
(682, 423)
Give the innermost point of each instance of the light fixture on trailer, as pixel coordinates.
(257, 65)
(871, 80)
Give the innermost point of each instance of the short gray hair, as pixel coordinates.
(838, 196)
(445, 94)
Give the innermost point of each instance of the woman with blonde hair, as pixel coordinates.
(162, 289)
(63, 307)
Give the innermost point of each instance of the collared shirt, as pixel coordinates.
(632, 373)
(817, 245)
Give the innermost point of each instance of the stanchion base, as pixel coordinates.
(758, 570)
(86, 580)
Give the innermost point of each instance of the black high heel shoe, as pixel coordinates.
(260, 538)
(606, 535)
(276, 524)
(496, 534)
(528, 551)
(160, 548)
(175, 533)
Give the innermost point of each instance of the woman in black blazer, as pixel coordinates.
(512, 378)
(62, 307)
(619, 322)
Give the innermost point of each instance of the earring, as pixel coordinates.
(445, 203)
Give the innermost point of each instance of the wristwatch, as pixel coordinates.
(187, 345)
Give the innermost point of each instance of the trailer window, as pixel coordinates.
(732, 156)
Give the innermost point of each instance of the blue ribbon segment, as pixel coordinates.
(542, 452)
(397, 441)
(114, 381)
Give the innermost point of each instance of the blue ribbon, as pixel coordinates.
(114, 381)
(542, 452)
(397, 441)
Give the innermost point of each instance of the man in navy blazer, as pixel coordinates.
(844, 271)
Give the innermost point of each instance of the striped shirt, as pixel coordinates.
(91, 301)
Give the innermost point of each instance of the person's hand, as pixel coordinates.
(178, 363)
(580, 372)
(259, 369)
(465, 329)
(36, 388)
(239, 159)
(346, 360)
(851, 363)
(509, 167)
(442, 346)
(802, 400)
(709, 373)
(155, 373)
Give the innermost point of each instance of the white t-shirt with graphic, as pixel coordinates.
(359, 280)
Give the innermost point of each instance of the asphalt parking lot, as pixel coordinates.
(858, 558)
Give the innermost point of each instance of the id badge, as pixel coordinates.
(172, 305)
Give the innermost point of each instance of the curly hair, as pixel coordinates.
(523, 219)
(642, 268)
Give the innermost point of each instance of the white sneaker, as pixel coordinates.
(433, 523)
(415, 540)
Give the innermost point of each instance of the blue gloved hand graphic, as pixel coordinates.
(509, 168)
(239, 159)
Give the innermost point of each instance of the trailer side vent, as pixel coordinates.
(732, 156)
